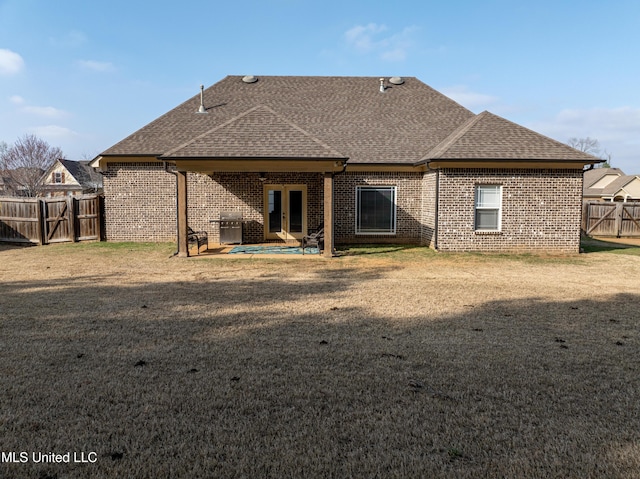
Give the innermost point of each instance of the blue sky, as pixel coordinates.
(84, 75)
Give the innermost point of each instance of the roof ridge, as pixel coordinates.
(454, 136)
(316, 140)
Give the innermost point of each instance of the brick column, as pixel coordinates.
(181, 205)
(328, 215)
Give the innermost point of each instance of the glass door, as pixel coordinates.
(285, 215)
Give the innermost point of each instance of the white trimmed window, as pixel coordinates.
(375, 210)
(58, 177)
(488, 207)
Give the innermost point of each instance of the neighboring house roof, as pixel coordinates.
(84, 174)
(609, 183)
(627, 186)
(335, 117)
(86, 177)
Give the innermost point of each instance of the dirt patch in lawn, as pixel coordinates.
(405, 363)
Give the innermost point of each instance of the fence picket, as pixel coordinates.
(612, 219)
(50, 220)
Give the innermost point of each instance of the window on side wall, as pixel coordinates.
(488, 207)
(375, 210)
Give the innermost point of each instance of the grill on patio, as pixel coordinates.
(231, 227)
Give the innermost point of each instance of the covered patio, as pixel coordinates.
(284, 204)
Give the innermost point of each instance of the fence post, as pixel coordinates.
(618, 227)
(42, 221)
(71, 209)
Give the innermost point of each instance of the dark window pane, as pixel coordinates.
(295, 211)
(376, 210)
(275, 211)
(486, 219)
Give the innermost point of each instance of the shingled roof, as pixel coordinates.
(335, 117)
(82, 172)
(490, 137)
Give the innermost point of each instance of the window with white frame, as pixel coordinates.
(57, 177)
(488, 207)
(375, 210)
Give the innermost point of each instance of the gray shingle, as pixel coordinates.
(304, 117)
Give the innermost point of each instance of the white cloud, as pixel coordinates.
(44, 111)
(467, 98)
(10, 62)
(616, 129)
(96, 66)
(604, 124)
(370, 38)
(361, 37)
(53, 132)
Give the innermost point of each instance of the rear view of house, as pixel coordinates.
(371, 160)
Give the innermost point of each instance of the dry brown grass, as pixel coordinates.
(406, 364)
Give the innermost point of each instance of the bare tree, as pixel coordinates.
(586, 145)
(592, 147)
(26, 162)
(3, 153)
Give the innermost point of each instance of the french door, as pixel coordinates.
(285, 212)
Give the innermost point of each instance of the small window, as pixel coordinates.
(375, 210)
(57, 177)
(488, 206)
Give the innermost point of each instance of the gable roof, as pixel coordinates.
(259, 130)
(82, 172)
(335, 117)
(592, 177)
(86, 176)
(490, 137)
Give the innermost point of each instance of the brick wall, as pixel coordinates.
(409, 206)
(540, 210)
(140, 203)
(244, 192)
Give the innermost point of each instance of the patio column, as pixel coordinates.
(181, 205)
(328, 215)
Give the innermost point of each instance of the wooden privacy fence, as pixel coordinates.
(611, 219)
(50, 220)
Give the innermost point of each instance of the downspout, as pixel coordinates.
(437, 219)
(583, 227)
(166, 169)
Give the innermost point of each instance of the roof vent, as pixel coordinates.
(202, 109)
(249, 79)
(396, 80)
(381, 85)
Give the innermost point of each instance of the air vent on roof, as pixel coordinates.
(249, 79)
(396, 80)
(202, 109)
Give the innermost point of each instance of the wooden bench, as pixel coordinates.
(198, 237)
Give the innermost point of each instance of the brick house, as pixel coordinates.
(372, 160)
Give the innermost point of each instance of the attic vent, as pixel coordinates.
(202, 109)
(396, 80)
(249, 79)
